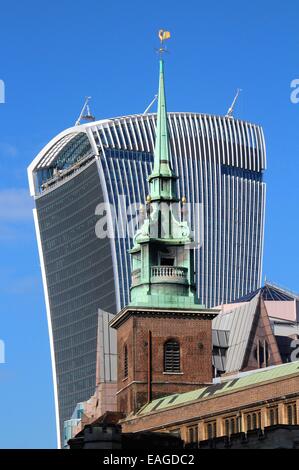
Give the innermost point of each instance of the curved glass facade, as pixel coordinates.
(219, 161)
(79, 275)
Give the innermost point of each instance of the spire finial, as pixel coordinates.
(163, 35)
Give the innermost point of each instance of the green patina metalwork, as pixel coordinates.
(162, 167)
(162, 253)
(253, 378)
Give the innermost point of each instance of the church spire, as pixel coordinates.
(161, 158)
(162, 178)
(162, 256)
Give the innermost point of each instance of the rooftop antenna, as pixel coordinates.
(230, 111)
(85, 114)
(151, 104)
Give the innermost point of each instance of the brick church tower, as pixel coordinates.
(164, 336)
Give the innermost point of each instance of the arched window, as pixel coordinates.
(211, 430)
(227, 427)
(262, 354)
(172, 356)
(232, 426)
(259, 420)
(273, 415)
(125, 361)
(291, 414)
(248, 422)
(254, 421)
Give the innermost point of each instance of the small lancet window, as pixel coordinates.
(172, 356)
(126, 364)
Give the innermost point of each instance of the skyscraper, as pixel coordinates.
(220, 163)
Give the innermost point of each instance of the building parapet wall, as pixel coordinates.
(277, 391)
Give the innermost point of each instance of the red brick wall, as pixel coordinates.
(195, 338)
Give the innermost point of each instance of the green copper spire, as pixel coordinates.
(162, 178)
(162, 160)
(162, 256)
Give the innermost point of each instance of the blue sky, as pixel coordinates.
(52, 54)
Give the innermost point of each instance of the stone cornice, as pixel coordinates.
(127, 312)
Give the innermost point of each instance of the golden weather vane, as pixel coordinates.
(163, 35)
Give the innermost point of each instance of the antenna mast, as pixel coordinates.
(151, 104)
(86, 117)
(230, 111)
